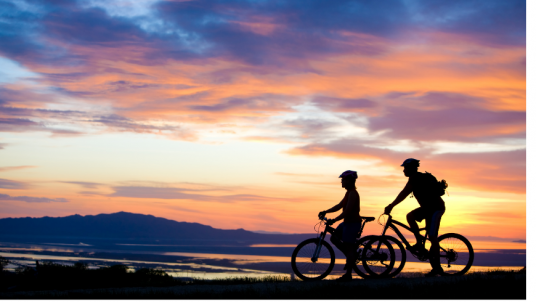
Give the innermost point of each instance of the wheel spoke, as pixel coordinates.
(456, 254)
(302, 262)
(379, 257)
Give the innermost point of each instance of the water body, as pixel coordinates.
(202, 260)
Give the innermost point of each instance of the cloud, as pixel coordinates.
(26, 125)
(520, 241)
(499, 215)
(311, 128)
(343, 105)
(503, 171)
(176, 67)
(347, 148)
(120, 123)
(11, 184)
(462, 17)
(454, 124)
(62, 122)
(298, 174)
(179, 193)
(31, 199)
(284, 34)
(253, 104)
(492, 238)
(13, 168)
(84, 184)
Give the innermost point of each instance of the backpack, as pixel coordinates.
(435, 187)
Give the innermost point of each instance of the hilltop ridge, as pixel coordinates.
(127, 225)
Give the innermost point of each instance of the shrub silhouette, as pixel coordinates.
(3, 263)
(60, 277)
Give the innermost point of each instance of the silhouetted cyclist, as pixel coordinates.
(432, 208)
(345, 235)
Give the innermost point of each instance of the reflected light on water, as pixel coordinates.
(125, 261)
(81, 244)
(204, 271)
(246, 258)
(272, 245)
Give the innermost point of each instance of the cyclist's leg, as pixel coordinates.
(349, 235)
(433, 223)
(336, 238)
(416, 215)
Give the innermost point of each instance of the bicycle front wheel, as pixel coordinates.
(455, 254)
(378, 258)
(306, 266)
(400, 255)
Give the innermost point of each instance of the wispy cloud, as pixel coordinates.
(12, 184)
(84, 184)
(388, 80)
(31, 199)
(13, 168)
(179, 194)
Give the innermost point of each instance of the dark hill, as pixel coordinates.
(125, 225)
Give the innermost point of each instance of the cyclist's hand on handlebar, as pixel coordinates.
(388, 209)
(321, 215)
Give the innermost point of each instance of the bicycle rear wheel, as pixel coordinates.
(307, 268)
(378, 257)
(358, 267)
(455, 254)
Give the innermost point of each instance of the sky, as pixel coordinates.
(242, 114)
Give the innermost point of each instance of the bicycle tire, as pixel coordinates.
(455, 249)
(372, 257)
(402, 252)
(358, 265)
(305, 268)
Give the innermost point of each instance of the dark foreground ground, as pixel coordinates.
(491, 285)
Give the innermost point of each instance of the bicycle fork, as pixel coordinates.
(318, 246)
(381, 257)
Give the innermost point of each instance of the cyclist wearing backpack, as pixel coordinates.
(428, 191)
(347, 231)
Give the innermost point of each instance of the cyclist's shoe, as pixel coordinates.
(345, 277)
(434, 272)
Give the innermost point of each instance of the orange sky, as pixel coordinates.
(248, 123)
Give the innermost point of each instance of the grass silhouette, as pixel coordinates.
(55, 281)
(53, 276)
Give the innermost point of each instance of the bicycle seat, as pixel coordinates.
(367, 219)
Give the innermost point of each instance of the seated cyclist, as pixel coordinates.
(344, 237)
(432, 208)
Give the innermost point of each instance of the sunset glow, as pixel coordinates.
(242, 114)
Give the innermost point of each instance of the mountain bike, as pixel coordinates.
(314, 258)
(456, 253)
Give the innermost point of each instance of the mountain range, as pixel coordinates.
(131, 226)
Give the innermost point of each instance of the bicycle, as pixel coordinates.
(456, 253)
(314, 258)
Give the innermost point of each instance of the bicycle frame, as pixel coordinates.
(322, 236)
(391, 223)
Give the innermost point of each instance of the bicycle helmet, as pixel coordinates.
(410, 162)
(348, 173)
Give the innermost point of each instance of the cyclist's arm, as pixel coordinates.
(335, 208)
(353, 202)
(403, 194)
